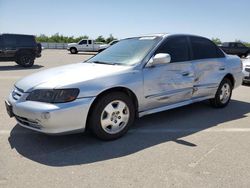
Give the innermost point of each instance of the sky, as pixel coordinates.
(225, 19)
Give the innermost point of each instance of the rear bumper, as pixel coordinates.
(52, 118)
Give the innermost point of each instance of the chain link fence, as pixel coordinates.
(53, 45)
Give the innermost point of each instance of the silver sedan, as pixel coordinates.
(132, 78)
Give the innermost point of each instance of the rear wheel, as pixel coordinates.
(25, 60)
(223, 94)
(112, 116)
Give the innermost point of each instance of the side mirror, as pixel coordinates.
(161, 58)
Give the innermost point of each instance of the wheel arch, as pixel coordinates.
(231, 78)
(122, 89)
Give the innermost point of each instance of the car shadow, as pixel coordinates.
(18, 67)
(147, 132)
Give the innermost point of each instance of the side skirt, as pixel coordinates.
(176, 105)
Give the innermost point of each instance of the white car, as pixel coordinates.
(246, 71)
(86, 45)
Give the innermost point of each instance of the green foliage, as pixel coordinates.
(216, 41)
(69, 39)
(110, 38)
(100, 39)
(59, 38)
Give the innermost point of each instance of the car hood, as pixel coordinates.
(72, 44)
(68, 75)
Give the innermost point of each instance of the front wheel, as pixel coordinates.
(223, 94)
(112, 116)
(73, 50)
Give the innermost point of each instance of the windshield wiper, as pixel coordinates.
(102, 62)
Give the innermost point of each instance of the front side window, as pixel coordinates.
(176, 47)
(126, 52)
(25, 40)
(83, 42)
(204, 49)
(240, 45)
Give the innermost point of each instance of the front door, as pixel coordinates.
(83, 45)
(170, 83)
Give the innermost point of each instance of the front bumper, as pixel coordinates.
(52, 118)
(246, 73)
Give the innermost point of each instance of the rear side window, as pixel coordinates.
(9, 40)
(239, 45)
(177, 48)
(225, 44)
(204, 49)
(90, 41)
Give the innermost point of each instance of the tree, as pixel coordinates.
(216, 40)
(110, 38)
(100, 39)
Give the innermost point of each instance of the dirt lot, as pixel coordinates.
(192, 146)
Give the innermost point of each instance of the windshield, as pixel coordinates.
(126, 52)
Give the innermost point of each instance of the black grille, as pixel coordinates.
(28, 122)
(247, 69)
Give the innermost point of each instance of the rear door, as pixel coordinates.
(170, 83)
(209, 67)
(10, 45)
(90, 46)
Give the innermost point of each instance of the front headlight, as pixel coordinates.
(53, 95)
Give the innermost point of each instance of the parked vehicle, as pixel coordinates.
(136, 77)
(235, 48)
(113, 42)
(86, 45)
(23, 49)
(246, 71)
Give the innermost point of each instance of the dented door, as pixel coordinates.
(168, 84)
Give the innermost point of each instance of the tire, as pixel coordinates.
(73, 50)
(223, 94)
(25, 60)
(107, 120)
(247, 54)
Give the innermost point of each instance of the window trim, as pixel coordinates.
(174, 37)
(83, 40)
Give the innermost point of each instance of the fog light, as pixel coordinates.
(45, 115)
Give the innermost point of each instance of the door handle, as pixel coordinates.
(222, 68)
(185, 73)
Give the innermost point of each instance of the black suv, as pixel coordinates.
(23, 49)
(235, 48)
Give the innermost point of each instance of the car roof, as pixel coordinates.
(21, 35)
(164, 35)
